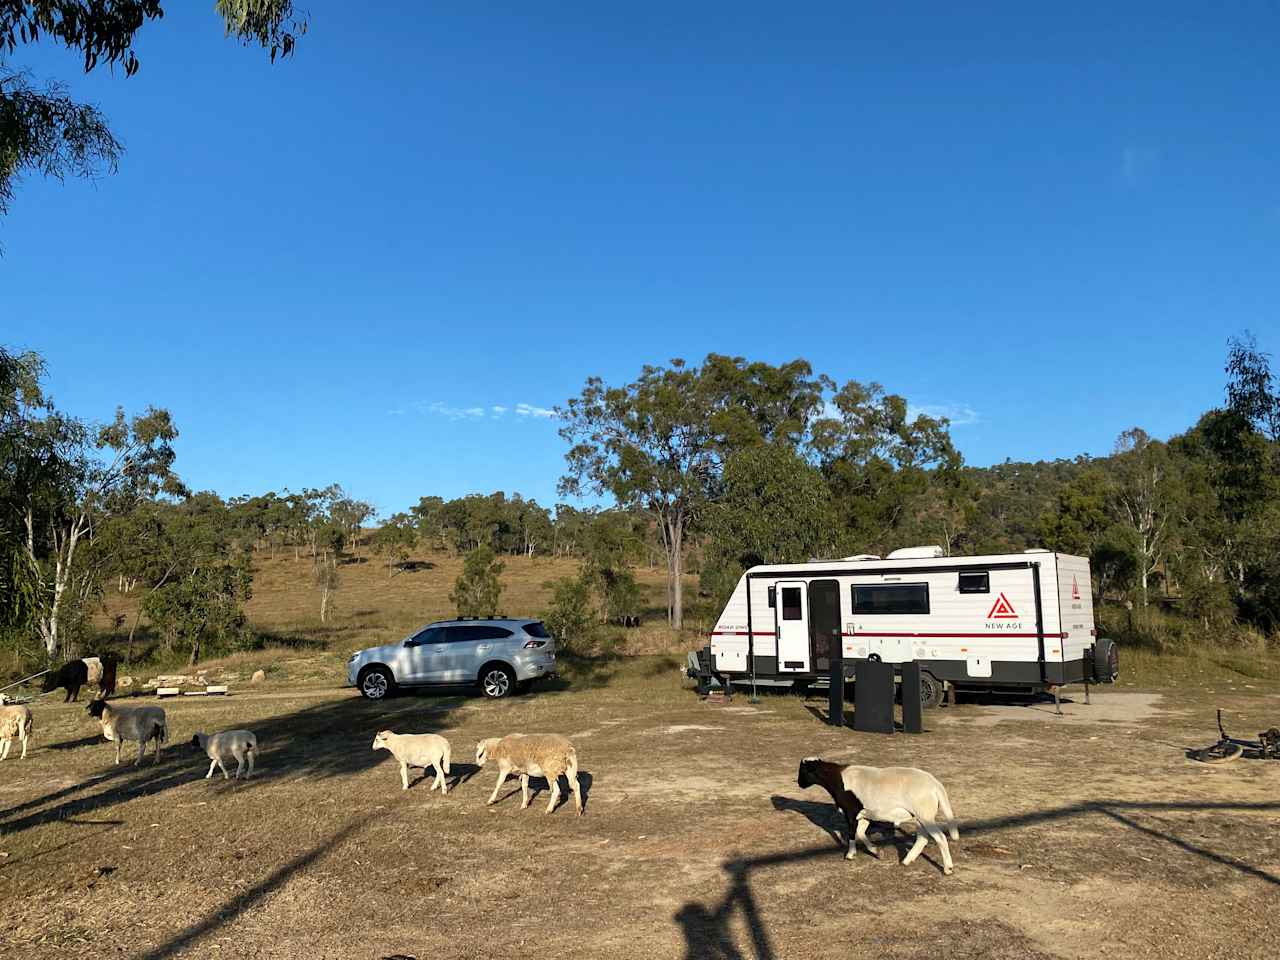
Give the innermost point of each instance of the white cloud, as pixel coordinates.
(494, 411)
(452, 413)
(960, 414)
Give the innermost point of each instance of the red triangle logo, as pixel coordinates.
(1075, 588)
(1002, 609)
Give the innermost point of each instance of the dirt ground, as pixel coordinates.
(1080, 837)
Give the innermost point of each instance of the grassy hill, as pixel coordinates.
(372, 608)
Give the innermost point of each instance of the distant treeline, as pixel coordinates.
(713, 468)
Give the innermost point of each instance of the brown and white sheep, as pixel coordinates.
(535, 754)
(131, 723)
(15, 724)
(896, 795)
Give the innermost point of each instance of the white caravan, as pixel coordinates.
(1020, 621)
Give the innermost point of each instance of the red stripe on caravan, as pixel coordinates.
(961, 636)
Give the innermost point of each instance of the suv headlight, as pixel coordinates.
(354, 656)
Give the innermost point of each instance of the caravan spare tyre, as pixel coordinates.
(1106, 660)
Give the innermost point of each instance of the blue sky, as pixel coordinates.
(1044, 223)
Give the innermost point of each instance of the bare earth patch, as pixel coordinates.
(1081, 837)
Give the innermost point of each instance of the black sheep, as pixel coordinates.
(74, 674)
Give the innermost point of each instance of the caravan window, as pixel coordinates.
(791, 604)
(975, 581)
(891, 598)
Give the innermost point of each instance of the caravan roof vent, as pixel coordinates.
(862, 556)
(916, 553)
(1037, 550)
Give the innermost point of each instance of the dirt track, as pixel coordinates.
(1079, 836)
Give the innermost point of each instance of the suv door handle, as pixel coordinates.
(484, 647)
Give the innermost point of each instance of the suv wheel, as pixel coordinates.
(376, 683)
(497, 681)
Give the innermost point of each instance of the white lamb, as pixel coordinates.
(417, 750)
(896, 795)
(536, 754)
(15, 723)
(241, 744)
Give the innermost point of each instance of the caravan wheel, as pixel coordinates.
(930, 690)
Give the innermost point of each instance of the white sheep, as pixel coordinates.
(15, 723)
(536, 754)
(241, 744)
(896, 795)
(131, 723)
(417, 750)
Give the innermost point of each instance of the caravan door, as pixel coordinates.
(791, 611)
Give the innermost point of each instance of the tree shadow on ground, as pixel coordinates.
(706, 929)
(326, 740)
(255, 894)
(414, 566)
(581, 673)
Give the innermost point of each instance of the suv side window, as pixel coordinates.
(427, 635)
(477, 633)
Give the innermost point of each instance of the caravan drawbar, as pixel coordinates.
(1006, 621)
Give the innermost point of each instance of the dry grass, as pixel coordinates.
(1080, 837)
(373, 608)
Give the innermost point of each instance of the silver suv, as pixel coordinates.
(498, 654)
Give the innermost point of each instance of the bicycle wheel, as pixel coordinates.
(1224, 751)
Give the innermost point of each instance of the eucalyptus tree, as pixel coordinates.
(877, 458)
(42, 129)
(658, 444)
(1146, 498)
(774, 507)
(394, 539)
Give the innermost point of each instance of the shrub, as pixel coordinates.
(571, 616)
(476, 591)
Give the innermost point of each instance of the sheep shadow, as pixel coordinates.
(459, 773)
(538, 785)
(72, 744)
(830, 818)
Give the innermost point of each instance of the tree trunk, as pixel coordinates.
(673, 534)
